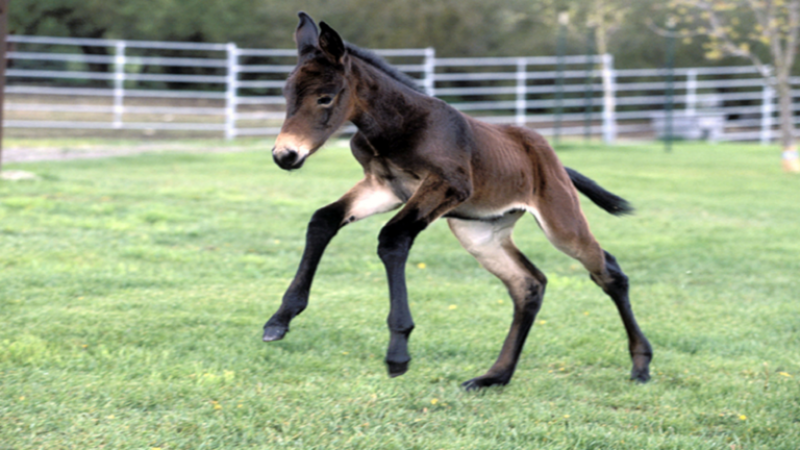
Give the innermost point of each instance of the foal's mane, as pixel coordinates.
(379, 63)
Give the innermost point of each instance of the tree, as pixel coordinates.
(767, 36)
(605, 17)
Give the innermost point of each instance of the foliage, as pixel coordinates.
(453, 27)
(133, 290)
(771, 25)
(750, 29)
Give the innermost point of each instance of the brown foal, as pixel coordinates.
(421, 154)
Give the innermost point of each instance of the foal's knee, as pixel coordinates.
(394, 241)
(532, 294)
(325, 222)
(528, 291)
(393, 249)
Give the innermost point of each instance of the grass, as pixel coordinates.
(133, 291)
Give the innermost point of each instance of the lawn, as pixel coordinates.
(133, 291)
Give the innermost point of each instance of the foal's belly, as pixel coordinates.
(490, 199)
(470, 211)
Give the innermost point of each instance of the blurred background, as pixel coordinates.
(452, 27)
(597, 69)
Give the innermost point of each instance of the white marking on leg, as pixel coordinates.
(485, 241)
(376, 200)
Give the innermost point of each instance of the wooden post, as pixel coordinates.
(3, 33)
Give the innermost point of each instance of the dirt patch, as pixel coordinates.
(17, 175)
(32, 154)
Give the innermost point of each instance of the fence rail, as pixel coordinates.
(96, 84)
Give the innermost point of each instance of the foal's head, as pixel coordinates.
(319, 96)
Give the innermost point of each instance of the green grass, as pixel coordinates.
(133, 291)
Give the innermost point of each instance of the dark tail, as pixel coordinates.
(601, 197)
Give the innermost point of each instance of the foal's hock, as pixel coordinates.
(428, 159)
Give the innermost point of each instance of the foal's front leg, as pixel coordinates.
(366, 198)
(432, 199)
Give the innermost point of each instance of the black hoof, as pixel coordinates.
(482, 382)
(640, 375)
(641, 365)
(274, 332)
(397, 368)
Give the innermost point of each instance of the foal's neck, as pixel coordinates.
(389, 113)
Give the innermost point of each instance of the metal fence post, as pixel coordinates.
(670, 94)
(691, 92)
(231, 91)
(119, 84)
(588, 94)
(609, 100)
(767, 109)
(430, 71)
(522, 67)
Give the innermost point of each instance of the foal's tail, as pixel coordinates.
(601, 197)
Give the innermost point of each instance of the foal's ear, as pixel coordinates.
(331, 43)
(306, 36)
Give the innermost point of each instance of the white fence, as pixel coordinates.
(132, 85)
(58, 83)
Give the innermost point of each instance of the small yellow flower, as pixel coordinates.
(742, 417)
(345, 353)
(421, 265)
(500, 302)
(542, 322)
(22, 398)
(111, 416)
(452, 307)
(586, 313)
(566, 416)
(784, 374)
(240, 405)
(217, 406)
(434, 401)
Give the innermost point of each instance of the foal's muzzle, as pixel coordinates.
(288, 159)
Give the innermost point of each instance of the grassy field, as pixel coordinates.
(133, 291)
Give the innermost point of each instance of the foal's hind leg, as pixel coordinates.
(568, 231)
(490, 243)
(615, 283)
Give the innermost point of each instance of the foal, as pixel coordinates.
(422, 154)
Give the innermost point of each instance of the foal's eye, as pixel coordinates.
(324, 101)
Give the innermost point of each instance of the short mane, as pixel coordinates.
(376, 61)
